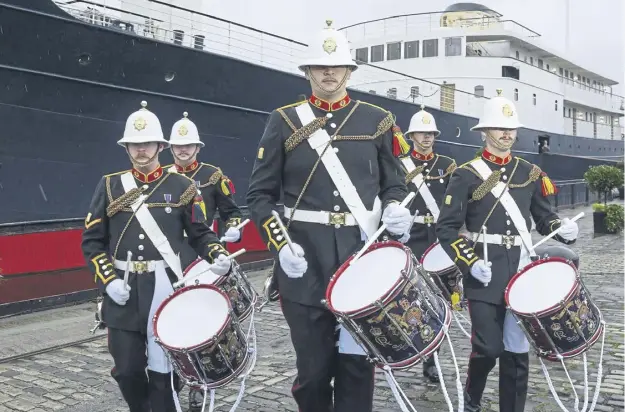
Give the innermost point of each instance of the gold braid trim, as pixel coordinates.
(108, 189)
(123, 202)
(533, 176)
(383, 127)
(486, 186)
(414, 173)
(450, 169)
(215, 177)
(304, 133)
(286, 119)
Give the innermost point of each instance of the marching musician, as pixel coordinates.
(503, 194)
(332, 205)
(427, 174)
(135, 210)
(217, 191)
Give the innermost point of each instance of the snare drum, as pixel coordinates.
(383, 302)
(204, 343)
(554, 308)
(241, 293)
(444, 272)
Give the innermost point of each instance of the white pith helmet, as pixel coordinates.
(184, 132)
(328, 47)
(423, 122)
(499, 113)
(143, 126)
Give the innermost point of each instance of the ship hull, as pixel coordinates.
(66, 94)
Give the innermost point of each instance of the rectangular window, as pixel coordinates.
(377, 53)
(393, 51)
(178, 36)
(453, 46)
(540, 64)
(362, 55)
(198, 41)
(430, 48)
(510, 71)
(532, 61)
(411, 49)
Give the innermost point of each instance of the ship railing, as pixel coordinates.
(572, 194)
(407, 24)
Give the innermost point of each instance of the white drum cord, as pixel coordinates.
(251, 349)
(458, 315)
(597, 385)
(399, 394)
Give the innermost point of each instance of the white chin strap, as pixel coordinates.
(497, 143)
(136, 163)
(197, 148)
(319, 85)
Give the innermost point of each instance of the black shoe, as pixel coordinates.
(196, 400)
(469, 406)
(429, 371)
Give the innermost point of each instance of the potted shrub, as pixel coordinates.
(602, 180)
(621, 190)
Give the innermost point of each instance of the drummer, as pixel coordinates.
(473, 198)
(427, 173)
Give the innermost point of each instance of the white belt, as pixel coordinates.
(321, 217)
(425, 220)
(504, 240)
(140, 266)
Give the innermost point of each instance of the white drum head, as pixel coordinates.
(436, 260)
(206, 278)
(192, 318)
(541, 287)
(372, 276)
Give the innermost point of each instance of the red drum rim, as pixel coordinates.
(219, 280)
(364, 311)
(554, 308)
(451, 269)
(180, 291)
(578, 351)
(431, 348)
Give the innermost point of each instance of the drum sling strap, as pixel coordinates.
(423, 189)
(157, 358)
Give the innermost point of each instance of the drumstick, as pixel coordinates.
(555, 232)
(127, 271)
(193, 277)
(379, 231)
(237, 227)
(485, 251)
(285, 233)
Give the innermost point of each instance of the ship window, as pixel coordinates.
(198, 41)
(540, 64)
(534, 99)
(453, 46)
(430, 48)
(532, 61)
(547, 67)
(178, 36)
(411, 49)
(392, 93)
(516, 95)
(510, 71)
(362, 55)
(556, 105)
(518, 57)
(414, 92)
(377, 53)
(393, 51)
(479, 91)
(373, 92)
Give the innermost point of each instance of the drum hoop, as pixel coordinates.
(180, 291)
(397, 285)
(576, 285)
(220, 279)
(428, 250)
(452, 268)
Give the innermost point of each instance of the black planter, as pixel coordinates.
(599, 223)
(621, 192)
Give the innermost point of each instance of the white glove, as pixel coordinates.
(232, 235)
(293, 265)
(397, 219)
(221, 265)
(116, 291)
(481, 271)
(569, 230)
(404, 238)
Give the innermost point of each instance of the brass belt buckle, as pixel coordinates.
(428, 220)
(507, 241)
(139, 267)
(337, 218)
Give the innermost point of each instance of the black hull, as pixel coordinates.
(61, 119)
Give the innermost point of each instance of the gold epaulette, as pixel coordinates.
(117, 173)
(292, 105)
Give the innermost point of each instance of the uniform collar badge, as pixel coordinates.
(420, 156)
(188, 168)
(496, 159)
(327, 106)
(148, 178)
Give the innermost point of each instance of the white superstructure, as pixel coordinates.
(446, 60)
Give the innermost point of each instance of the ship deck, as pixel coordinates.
(49, 361)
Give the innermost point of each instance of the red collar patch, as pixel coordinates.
(188, 168)
(496, 159)
(423, 157)
(150, 177)
(327, 106)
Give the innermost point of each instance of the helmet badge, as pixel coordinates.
(139, 124)
(329, 45)
(183, 130)
(507, 110)
(426, 119)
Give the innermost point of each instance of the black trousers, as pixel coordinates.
(314, 336)
(487, 322)
(143, 392)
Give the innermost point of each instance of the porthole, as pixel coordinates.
(169, 76)
(458, 132)
(84, 59)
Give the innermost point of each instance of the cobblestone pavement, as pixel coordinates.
(76, 378)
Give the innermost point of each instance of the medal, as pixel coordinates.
(167, 197)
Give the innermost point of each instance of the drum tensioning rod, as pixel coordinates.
(402, 332)
(529, 337)
(546, 335)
